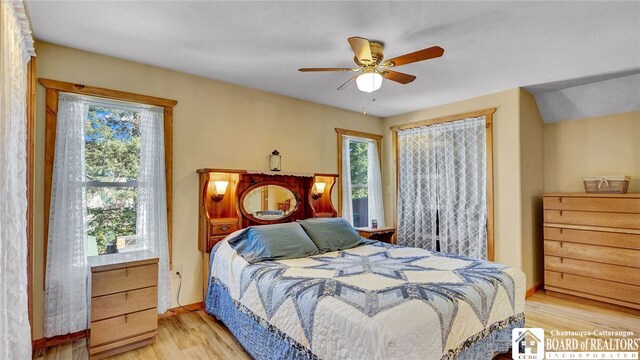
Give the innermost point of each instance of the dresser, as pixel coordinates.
(592, 246)
(124, 298)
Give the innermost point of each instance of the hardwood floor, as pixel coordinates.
(199, 336)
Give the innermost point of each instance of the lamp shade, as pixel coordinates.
(221, 187)
(320, 187)
(369, 82)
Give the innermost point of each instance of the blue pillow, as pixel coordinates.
(332, 234)
(273, 242)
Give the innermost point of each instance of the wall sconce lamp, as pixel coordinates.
(221, 189)
(319, 186)
(275, 161)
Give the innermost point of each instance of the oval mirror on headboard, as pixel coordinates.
(268, 202)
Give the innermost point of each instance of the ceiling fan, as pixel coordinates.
(371, 69)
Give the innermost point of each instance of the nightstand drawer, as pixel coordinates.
(128, 278)
(223, 228)
(123, 326)
(108, 306)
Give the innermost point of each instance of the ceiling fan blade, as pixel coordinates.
(399, 77)
(324, 69)
(361, 48)
(348, 83)
(420, 55)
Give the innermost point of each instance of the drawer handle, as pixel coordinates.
(126, 272)
(561, 243)
(126, 295)
(561, 260)
(560, 212)
(560, 199)
(225, 227)
(562, 276)
(561, 231)
(126, 318)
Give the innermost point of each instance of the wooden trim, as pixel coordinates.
(53, 89)
(485, 112)
(594, 300)
(58, 340)
(360, 134)
(106, 93)
(30, 133)
(182, 310)
(490, 204)
(534, 289)
(488, 114)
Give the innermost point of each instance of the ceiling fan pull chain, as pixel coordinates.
(364, 103)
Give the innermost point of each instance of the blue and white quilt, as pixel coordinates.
(377, 301)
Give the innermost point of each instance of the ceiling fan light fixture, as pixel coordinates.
(369, 82)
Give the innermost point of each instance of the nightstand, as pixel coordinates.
(124, 300)
(383, 234)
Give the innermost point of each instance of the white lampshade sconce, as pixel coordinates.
(319, 190)
(221, 189)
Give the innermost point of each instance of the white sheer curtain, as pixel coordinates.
(66, 277)
(151, 222)
(347, 205)
(374, 181)
(442, 187)
(16, 47)
(374, 177)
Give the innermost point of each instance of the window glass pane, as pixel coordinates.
(112, 156)
(359, 182)
(112, 144)
(111, 219)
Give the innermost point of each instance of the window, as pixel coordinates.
(445, 184)
(112, 161)
(360, 193)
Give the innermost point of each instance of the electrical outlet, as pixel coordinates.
(177, 268)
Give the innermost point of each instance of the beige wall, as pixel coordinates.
(531, 187)
(506, 157)
(215, 125)
(597, 146)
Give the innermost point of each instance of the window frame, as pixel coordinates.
(344, 132)
(53, 89)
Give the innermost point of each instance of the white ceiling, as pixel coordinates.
(489, 46)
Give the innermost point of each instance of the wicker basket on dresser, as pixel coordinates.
(124, 300)
(592, 246)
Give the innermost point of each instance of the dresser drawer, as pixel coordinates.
(598, 204)
(107, 306)
(629, 241)
(596, 270)
(123, 326)
(223, 228)
(123, 279)
(607, 255)
(586, 285)
(589, 218)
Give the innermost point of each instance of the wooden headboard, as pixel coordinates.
(220, 217)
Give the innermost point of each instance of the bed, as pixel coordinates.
(373, 301)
